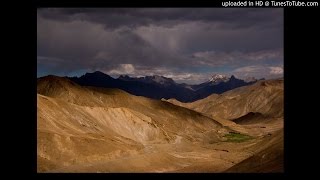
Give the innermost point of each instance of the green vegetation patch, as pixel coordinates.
(237, 137)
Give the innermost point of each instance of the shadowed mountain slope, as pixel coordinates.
(157, 87)
(269, 160)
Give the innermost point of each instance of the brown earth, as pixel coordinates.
(86, 129)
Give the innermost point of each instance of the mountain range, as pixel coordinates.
(158, 87)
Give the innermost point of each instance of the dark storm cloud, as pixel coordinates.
(132, 17)
(177, 42)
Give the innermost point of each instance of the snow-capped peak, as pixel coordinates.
(217, 78)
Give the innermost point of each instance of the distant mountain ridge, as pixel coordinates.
(158, 87)
(150, 79)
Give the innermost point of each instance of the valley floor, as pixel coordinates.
(185, 156)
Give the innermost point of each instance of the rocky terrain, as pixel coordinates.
(91, 129)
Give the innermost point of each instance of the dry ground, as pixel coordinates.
(85, 129)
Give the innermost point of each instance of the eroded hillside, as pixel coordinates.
(87, 129)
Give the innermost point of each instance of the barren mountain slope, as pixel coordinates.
(87, 129)
(79, 125)
(267, 160)
(263, 97)
(256, 110)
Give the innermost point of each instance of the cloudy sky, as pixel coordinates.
(188, 45)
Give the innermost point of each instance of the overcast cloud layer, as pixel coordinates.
(188, 45)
